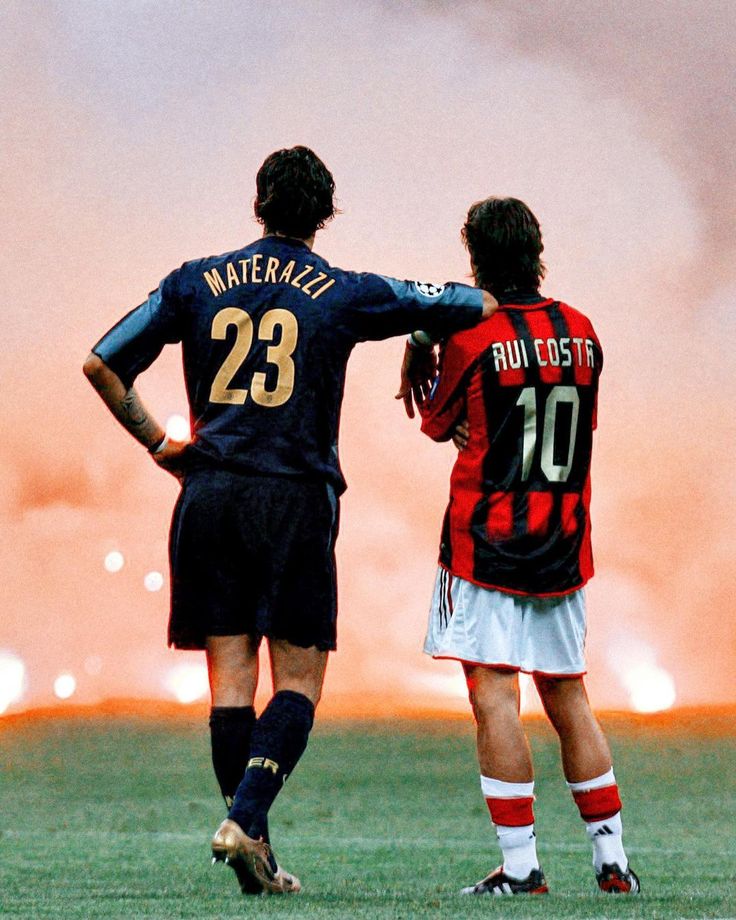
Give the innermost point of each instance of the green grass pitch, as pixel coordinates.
(111, 817)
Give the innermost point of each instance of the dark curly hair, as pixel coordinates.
(505, 244)
(294, 193)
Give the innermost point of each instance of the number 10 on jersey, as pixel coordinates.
(549, 458)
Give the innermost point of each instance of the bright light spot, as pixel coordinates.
(12, 679)
(445, 688)
(187, 682)
(526, 694)
(153, 581)
(93, 664)
(64, 686)
(114, 561)
(651, 688)
(177, 428)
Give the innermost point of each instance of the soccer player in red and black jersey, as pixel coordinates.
(518, 394)
(266, 333)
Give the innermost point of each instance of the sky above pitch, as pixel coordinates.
(131, 133)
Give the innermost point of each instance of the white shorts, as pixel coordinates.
(544, 635)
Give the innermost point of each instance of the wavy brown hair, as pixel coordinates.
(505, 244)
(295, 193)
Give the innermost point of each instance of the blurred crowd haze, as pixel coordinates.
(131, 133)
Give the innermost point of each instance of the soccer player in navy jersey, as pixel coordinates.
(266, 333)
(518, 394)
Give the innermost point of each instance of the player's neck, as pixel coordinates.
(308, 242)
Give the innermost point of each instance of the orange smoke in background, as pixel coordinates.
(131, 140)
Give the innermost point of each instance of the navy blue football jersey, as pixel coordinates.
(266, 334)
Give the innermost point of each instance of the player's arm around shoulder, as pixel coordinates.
(419, 363)
(445, 406)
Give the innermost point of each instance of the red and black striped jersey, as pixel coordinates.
(527, 381)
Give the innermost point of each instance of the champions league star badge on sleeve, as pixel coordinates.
(428, 289)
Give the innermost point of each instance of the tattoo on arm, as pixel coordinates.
(134, 416)
(134, 409)
(127, 407)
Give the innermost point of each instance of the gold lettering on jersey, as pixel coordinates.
(255, 270)
(287, 272)
(307, 288)
(320, 291)
(271, 269)
(232, 275)
(214, 280)
(305, 271)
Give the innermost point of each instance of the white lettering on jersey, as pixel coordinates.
(499, 356)
(514, 354)
(564, 352)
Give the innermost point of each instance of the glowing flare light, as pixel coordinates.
(114, 561)
(177, 428)
(187, 682)
(64, 686)
(651, 688)
(153, 581)
(12, 679)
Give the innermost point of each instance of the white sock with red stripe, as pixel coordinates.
(512, 813)
(600, 808)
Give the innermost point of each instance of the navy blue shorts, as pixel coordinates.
(253, 555)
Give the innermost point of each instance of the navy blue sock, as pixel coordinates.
(278, 740)
(230, 731)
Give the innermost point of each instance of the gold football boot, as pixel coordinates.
(249, 859)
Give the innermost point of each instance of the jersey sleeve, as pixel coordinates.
(134, 343)
(379, 307)
(445, 406)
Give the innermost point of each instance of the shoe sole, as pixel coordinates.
(615, 886)
(500, 892)
(620, 884)
(254, 873)
(249, 883)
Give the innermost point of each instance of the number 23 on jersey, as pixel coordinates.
(278, 354)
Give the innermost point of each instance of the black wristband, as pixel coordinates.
(159, 445)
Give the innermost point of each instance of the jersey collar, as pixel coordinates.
(286, 241)
(523, 300)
